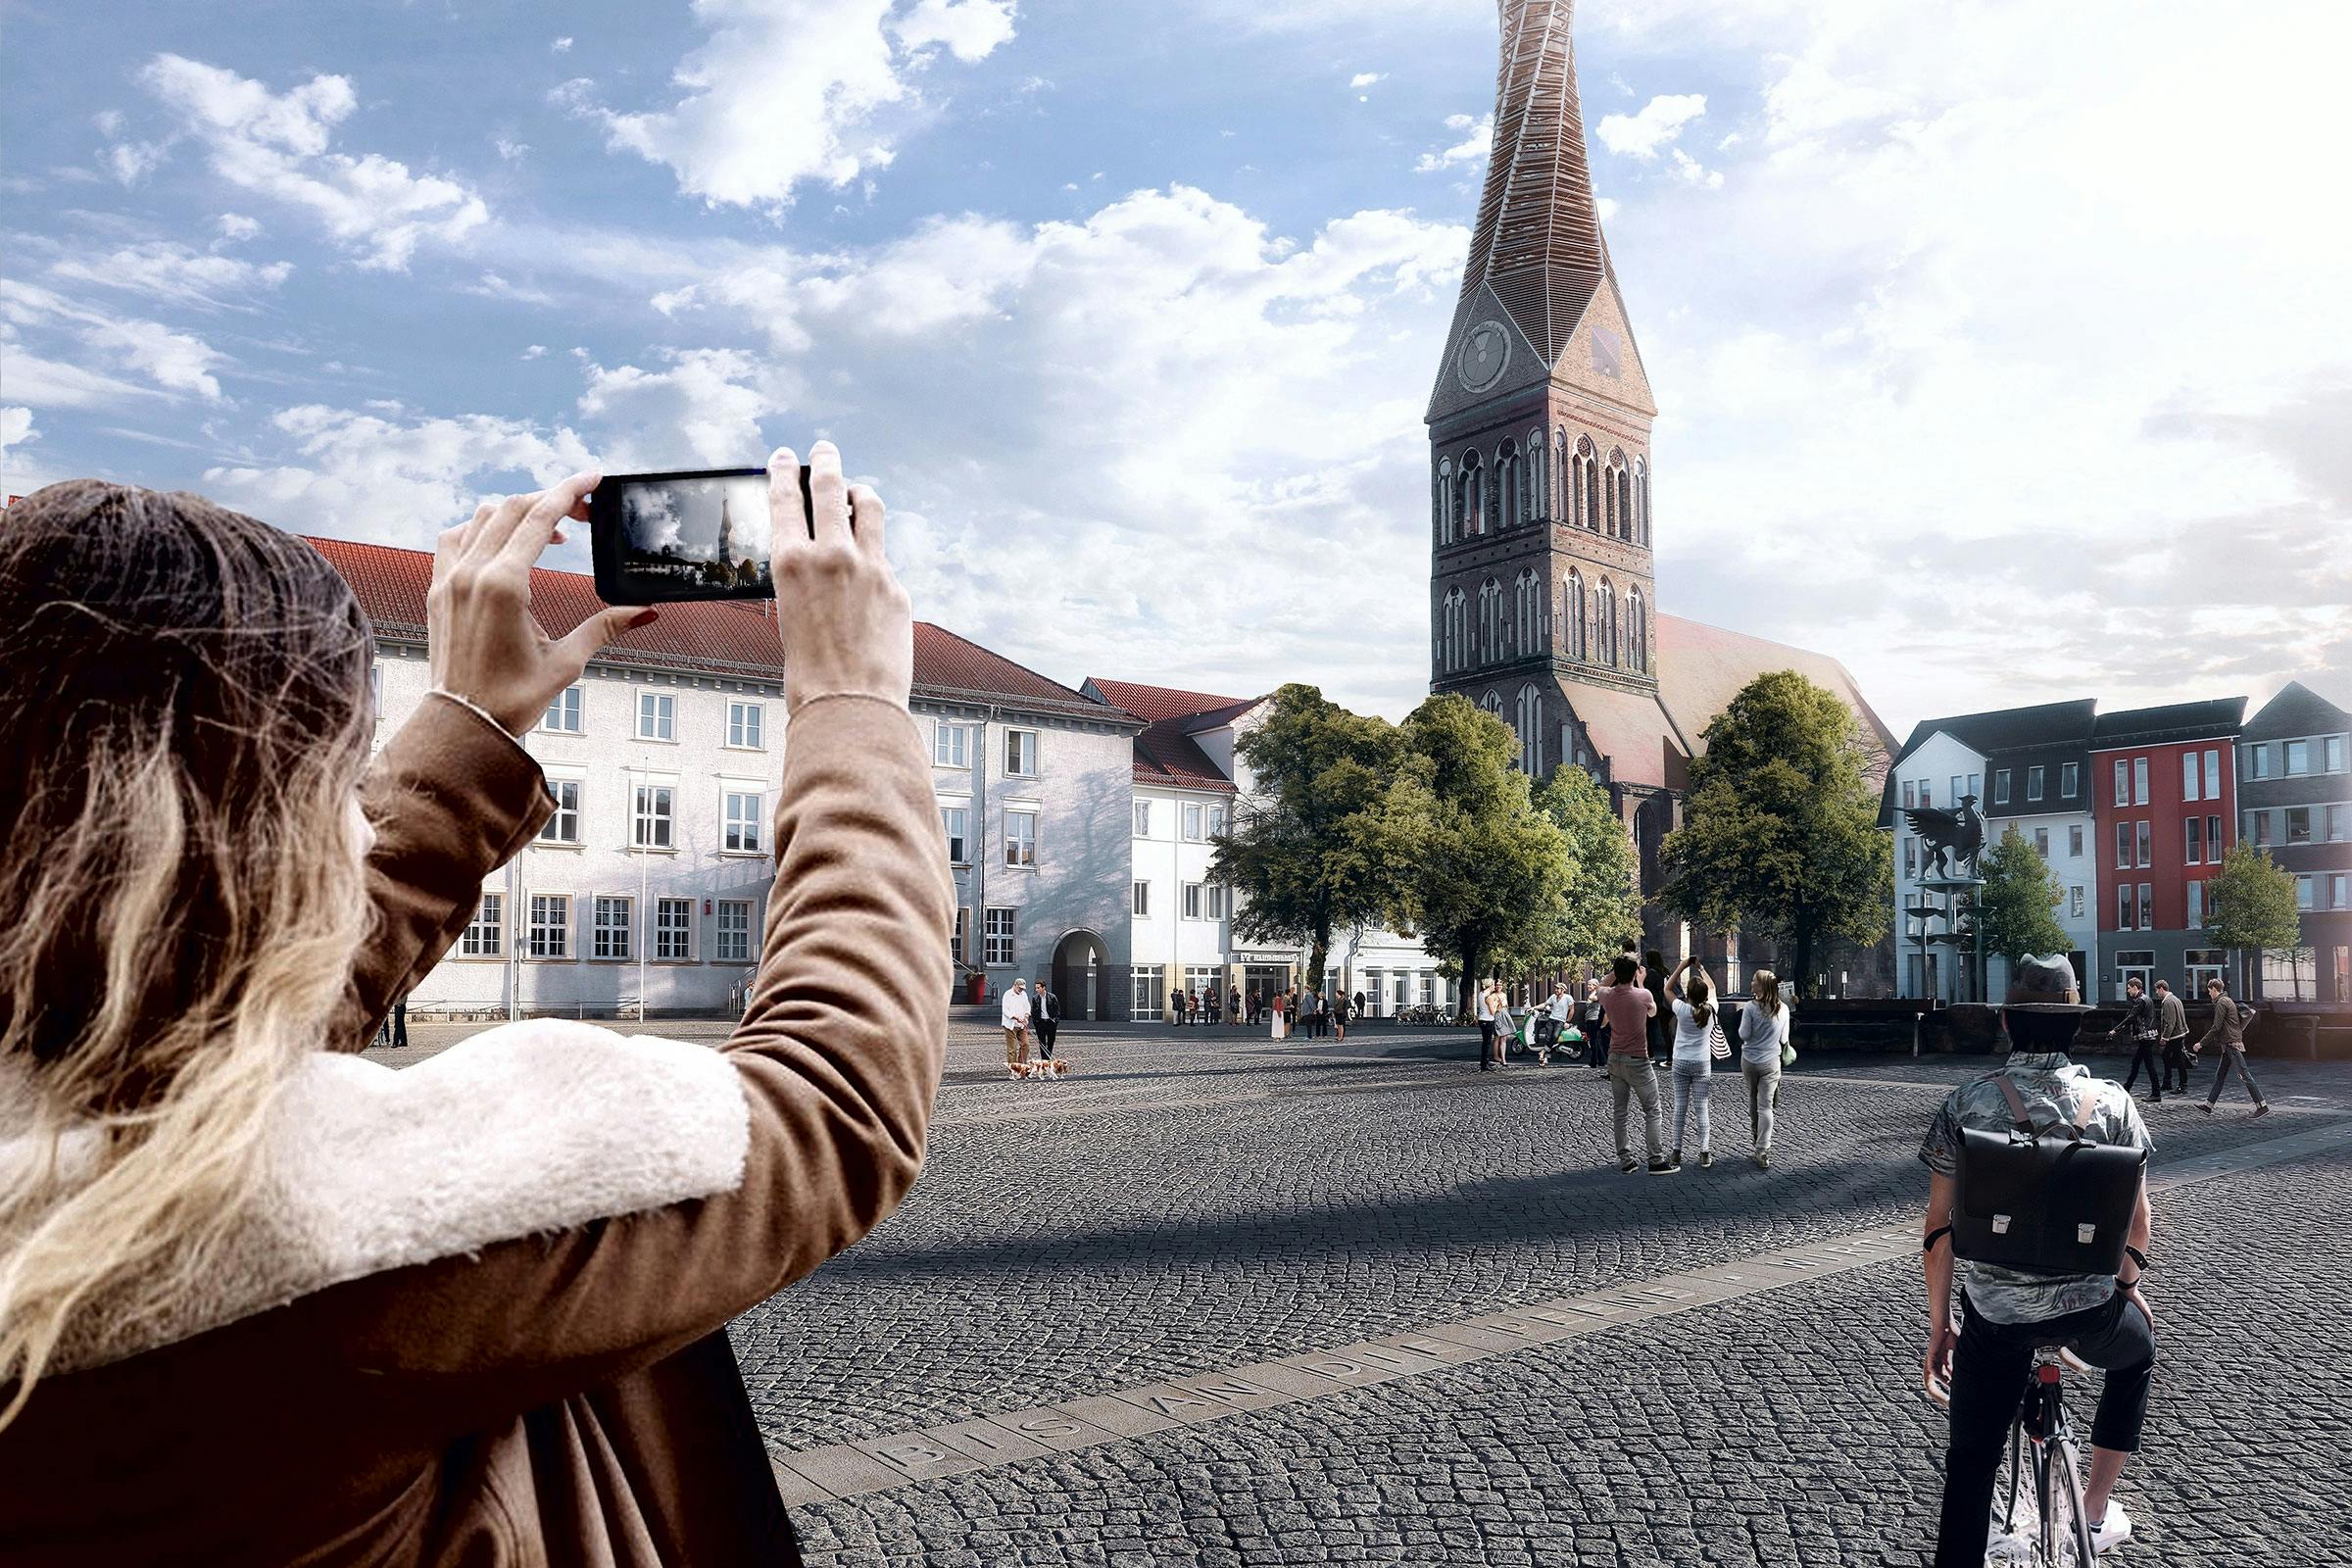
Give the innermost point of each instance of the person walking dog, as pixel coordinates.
(266, 1301)
(1046, 1016)
(2229, 1032)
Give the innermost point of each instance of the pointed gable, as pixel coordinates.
(1538, 239)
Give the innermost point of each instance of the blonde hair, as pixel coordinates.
(1702, 996)
(1767, 987)
(180, 890)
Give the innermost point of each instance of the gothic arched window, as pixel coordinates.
(1637, 629)
(1445, 501)
(1625, 497)
(1507, 483)
(1605, 623)
(1470, 497)
(1588, 484)
(1640, 501)
(1530, 725)
(1490, 621)
(1538, 492)
(1614, 494)
(1576, 614)
(1452, 629)
(1564, 483)
(1491, 702)
(1526, 613)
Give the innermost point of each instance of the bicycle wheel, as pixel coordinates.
(2065, 1531)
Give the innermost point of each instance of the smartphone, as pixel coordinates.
(659, 538)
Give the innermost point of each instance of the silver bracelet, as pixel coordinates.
(473, 707)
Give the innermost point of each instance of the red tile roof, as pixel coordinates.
(1165, 753)
(726, 637)
(1701, 669)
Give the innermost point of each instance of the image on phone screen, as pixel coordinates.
(672, 536)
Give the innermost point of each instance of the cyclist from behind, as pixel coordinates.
(2008, 1314)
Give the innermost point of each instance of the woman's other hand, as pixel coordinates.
(484, 643)
(844, 618)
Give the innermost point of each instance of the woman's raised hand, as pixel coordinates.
(845, 621)
(484, 644)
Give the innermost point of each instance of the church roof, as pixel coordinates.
(1701, 669)
(1537, 243)
(1165, 753)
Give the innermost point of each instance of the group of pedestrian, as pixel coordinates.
(1205, 1005)
(2158, 1028)
(1304, 1012)
(1679, 1013)
(1023, 1014)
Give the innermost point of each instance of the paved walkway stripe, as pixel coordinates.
(880, 1464)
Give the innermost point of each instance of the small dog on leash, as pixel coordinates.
(1046, 1067)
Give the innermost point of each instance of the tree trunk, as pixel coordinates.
(1463, 1005)
(1803, 978)
(1318, 954)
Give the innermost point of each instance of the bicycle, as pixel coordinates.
(2057, 1535)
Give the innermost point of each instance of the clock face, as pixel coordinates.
(1486, 350)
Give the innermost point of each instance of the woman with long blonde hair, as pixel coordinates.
(262, 1301)
(1763, 1042)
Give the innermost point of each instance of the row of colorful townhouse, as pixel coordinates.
(2132, 812)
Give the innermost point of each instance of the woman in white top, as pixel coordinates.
(1763, 1037)
(1494, 1017)
(1695, 1028)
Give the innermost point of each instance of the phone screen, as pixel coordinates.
(663, 537)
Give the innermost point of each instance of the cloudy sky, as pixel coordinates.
(2003, 349)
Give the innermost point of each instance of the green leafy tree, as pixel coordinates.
(2018, 904)
(1484, 874)
(1780, 832)
(2250, 903)
(1300, 851)
(1603, 907)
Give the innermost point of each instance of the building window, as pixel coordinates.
(2258, 828)
(2258, 761)
(1144, 1000)
(1143, 900)
(1638, 629)
(738, 822)
(551, 925)
(2000, 786)
(2196, 839)
(2133, 965)
(2041, 843)
(2213, 775)
(2123, 906)
(2123, 782)
(956, 822)
(656, 717)
(1143, 819)
(1575, 597)
(486, 934)
(2123, 845)
(2196, 905)
(2139, 781)
(1193, 900)
(2332, 753)
(2074, 840)
(744, 721)
(2339, 896)
(2339, 829)
(1927, 793)
(1908, 794)
(2201, 964)
(2307, 891)
(1216, 900)
(2298, 758)
(950, 745)
(2073, 903)
(608, 934)
(652, 819)
(673, 929)
(2070, 779)
(563, 713)
(2290, 975)
(959, 938)
(2213, 840)
(735, 931)
(1529, 723)
(995, 937)
(2147, 906)
(2298, 824)
(1976, 786)
(1910, 857)
(1959, 789)
(1020, 837)
(2144, 836)
(1020, 754)
(564, 826)
(1192, 818)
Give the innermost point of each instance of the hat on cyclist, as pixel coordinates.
(2043, 984)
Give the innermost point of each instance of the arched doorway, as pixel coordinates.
(1081, 976)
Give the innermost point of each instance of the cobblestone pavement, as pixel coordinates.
(1194, 1199)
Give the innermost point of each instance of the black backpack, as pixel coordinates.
(2045, 1201)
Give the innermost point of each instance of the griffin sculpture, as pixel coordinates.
(1948, 835)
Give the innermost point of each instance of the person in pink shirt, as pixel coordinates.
(1629, 1007)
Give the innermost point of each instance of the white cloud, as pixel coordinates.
(492, 286)
(535, 351)
(278, 145)
(513, 151)
(561, 46)
(176, 362)
(236, 228)
(972, 30)
(365, 476)
(1643, 136)
(1690, 172)
(703, 411)
(169, 270)
(1472, 146)
(1367, 78)
(775, 97)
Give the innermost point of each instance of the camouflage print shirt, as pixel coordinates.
(2052, 1089)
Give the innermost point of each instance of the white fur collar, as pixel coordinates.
(526, 1128)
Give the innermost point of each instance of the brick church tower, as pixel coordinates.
(1543, 598)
